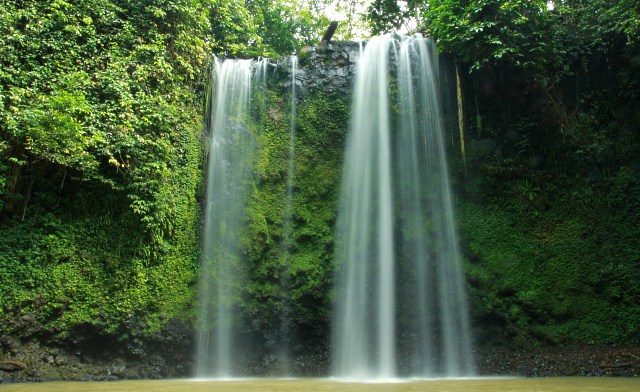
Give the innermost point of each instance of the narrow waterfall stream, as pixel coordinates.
(231, 150)
(286, 330)
(238, 97)
(400, 300)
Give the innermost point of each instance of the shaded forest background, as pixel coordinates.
(102, 152)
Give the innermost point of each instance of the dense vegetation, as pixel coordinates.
(101, 153)
(101, 108)
(549, 176)
(550, 215)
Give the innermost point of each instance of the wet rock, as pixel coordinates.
(59, 360)
(12, 366)
(118, 368)
(331, 64)
(559, 361)
(96, 356)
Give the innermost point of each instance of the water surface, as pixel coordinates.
(312, 385)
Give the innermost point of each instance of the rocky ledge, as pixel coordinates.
(560, 361)
(32, 362)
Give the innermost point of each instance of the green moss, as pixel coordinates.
(300, 279)
(562, 277)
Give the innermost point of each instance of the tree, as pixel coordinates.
(392, 15)
(287, 25)
(485, 32)
(265, 27)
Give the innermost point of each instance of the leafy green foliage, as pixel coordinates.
(352, 21)
(266, 28)
(548, 280)
(385, 16)
(100, 157)
(486, 32)
(286, 26)
(550, 237)
(71, 270)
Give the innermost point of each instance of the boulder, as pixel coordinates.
(12, 366)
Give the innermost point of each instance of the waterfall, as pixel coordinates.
(288, 229)
(230, 156)
(287, 232)
(238, 95)
(400, 307)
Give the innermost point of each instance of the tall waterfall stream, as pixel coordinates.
(400, 306)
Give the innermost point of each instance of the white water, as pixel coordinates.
(230, 156)
(288, 227)
(400, 305)
(286, 329)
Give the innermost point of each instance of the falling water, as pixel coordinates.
(287, 232)
(400, 300)
(231, 150)
(292, 154)
(365, 315)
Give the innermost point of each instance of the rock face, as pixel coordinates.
(585, 361)
(91, 356)
(12, 366)
(329, 67)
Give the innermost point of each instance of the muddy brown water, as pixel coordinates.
(578, 384)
